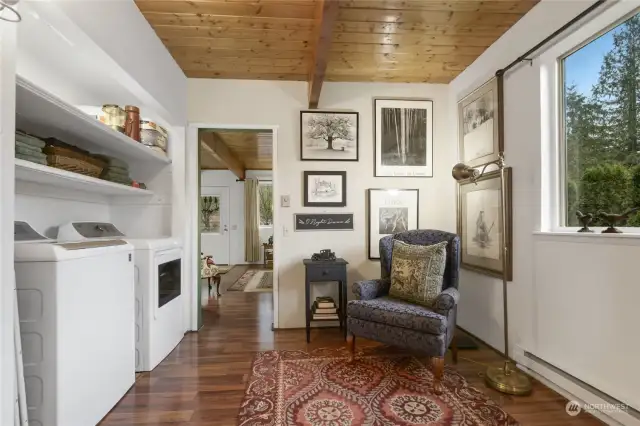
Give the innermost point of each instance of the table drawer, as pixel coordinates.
(326, 273)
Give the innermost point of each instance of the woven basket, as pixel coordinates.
(73, 165)
(73, 161)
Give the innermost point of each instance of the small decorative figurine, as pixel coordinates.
(585, 220)
(613, 219)
(326, 254)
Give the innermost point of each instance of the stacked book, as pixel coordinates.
(324, 308)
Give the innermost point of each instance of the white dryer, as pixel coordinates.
(158, 296)
(76, 306)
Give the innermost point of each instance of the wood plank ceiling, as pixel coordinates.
(236, 150)
(368, 40)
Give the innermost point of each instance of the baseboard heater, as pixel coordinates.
(586, 386)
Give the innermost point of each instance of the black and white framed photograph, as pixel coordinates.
(325, 189)
(403, 137)
(390, 211)
(328, 136)
(480, 226)
(479, 122)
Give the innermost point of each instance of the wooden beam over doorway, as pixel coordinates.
(215, 146)
(326, 15)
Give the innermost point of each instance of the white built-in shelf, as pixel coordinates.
(38, 173)
(45, 115)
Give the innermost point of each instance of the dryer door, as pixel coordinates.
(169, 277)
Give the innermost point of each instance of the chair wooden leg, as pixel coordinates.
(217, 279)
(454, 350)
(352, 348)
(209, 283)
(438, 371)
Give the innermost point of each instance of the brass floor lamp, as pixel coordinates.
(506, 379)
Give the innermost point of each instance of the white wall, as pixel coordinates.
(280, 103)
(480, 310)
(226, 178)
(7, 130)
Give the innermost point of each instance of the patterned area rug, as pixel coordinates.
(254, 280)
(321, 388)
(263, 282)
(243, 281)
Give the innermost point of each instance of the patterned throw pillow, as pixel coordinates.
(417, 271)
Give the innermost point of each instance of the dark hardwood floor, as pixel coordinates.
(202, 382)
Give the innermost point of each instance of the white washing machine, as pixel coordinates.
(158, 300)
(76, 306)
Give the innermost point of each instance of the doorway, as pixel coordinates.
(235, 227)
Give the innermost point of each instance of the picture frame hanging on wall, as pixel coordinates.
(403, 137)
(390, 211)
(329, 136)
(480, 121)
(325, 189)
(479, 224)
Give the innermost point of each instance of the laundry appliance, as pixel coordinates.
(76, 310)
(158, 290)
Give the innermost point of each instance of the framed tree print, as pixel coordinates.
(480, 227)
(390, 211)
(328, 136)
(403, 137)
(325, 189)
(480, 124)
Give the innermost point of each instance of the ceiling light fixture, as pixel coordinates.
(13, 15)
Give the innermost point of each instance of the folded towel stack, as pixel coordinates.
(29, 148)
(116, 171)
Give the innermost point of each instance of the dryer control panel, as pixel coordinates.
(78, 231)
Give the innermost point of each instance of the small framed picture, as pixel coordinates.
(325, 189)
(328, 136)
(390, 211)
(479, 225)
(480, 124)
(403, 137)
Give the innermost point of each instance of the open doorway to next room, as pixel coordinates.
(235, 216)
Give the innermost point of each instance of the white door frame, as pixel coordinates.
(8, 55)
(191, 239)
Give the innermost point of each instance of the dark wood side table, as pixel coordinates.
(325, 271)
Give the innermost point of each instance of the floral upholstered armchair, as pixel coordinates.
(428, 331)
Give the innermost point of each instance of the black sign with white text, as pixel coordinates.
(324, 222)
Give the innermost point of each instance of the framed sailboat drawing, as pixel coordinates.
(403, 137)
(479, 224)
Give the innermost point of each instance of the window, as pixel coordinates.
(601, 116)
(265, 203)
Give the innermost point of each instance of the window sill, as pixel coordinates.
(596, 237)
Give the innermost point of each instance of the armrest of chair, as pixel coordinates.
(371, 289)
(446, 300)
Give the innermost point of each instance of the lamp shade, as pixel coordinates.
(463, 172)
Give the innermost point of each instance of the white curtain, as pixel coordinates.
(251, 231)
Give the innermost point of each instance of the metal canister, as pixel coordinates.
(132, 122)
(152, 134)
(113, 116)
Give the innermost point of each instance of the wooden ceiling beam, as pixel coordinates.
(215, 146)
(326, 16)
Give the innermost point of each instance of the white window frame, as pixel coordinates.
(263, 183)
(553, 161)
